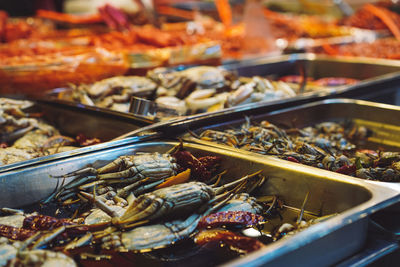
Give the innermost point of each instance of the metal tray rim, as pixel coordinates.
(190, 119)
(311, 57)
(76, 151)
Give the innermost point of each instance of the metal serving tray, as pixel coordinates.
(382, 119)
(322, 244)
(379, 78)
(72, 120)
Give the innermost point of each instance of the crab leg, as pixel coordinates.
(91, 185)
(125, 191)
(121, 162)
(84, 240)
(144, 208)
(84, 171)
(222, 188)
(48, 237)
(144, 188)
(100, 204)
(135, 173)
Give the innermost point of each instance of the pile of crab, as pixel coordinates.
(189, 91)
(144, 203)
(328, 145)
(24, 135)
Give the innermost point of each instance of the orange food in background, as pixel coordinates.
(32, 76)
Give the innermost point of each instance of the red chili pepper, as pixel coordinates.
(234, 241)
(15, 233)
(33, 224)
(244, 218)
(292, 159)
(347, 169)
(43, 222)
(210, 162)
(186, 160)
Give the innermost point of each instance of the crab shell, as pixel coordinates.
(175, 200)
(151, 237)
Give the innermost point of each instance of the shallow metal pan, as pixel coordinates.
(72, 120)
(382, 119)
(378, 77)
(322, 244)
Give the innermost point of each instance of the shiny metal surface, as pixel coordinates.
(71, 120)
(380, 79)
(143, 107)
(376, 249)
(316, 66)
(379, 76)
(324, 243)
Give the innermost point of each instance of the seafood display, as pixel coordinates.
(162, 203)
(144, 203)
(16, 253)
(334, 146)
(383, 17)
(378, 16)
(388, 48)
(100, 226)
(148, 203)
(34, 47)
(196, 89)
(26, 136)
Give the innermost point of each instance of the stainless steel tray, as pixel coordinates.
(382, 119)
(72, 120)
(378, 77)
(322, 244)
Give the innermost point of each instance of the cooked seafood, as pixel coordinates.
(388, 48)
(24, 137)
(236, 242)
(112, 215)
(194, 90)
(376, 16)
(116, 92)
(328, 145)
(13, 254)
(230, 218)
